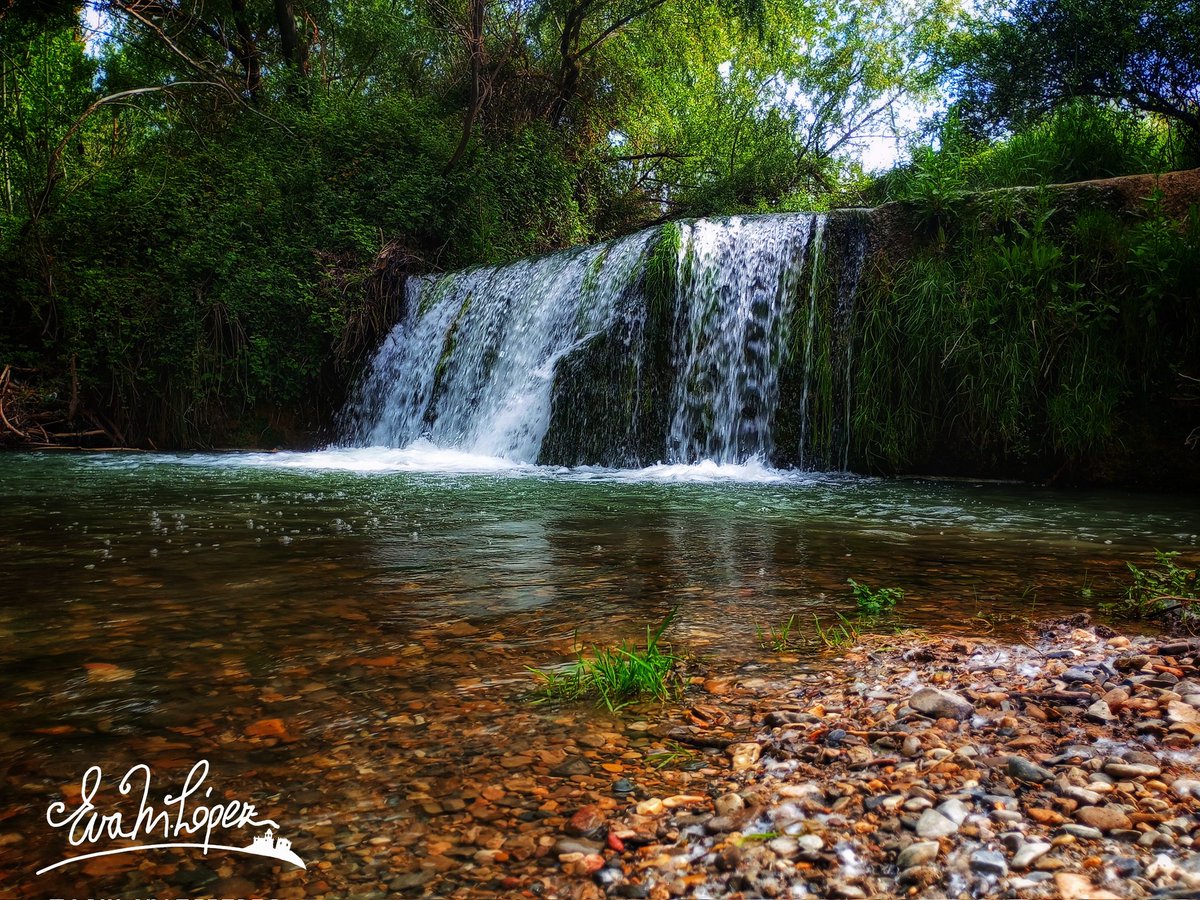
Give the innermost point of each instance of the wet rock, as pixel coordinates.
(1105, 818)
(1029, 854)
(1119, 769)
(920, 876)
(1186, 788)
(744, 755)
(1072, 886)
(1182, 713)
(572, 765)
(586, 821)
(1100, 711)
(954, 810)
(918, 854)
(729, 804)
(784, 847)
(577, 845)
(933, 824)
(1024, 770)
(988, 862)
(722, 824)
(938, 704)
(811, 843)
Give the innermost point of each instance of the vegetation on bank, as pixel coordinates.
(1035, 331)
(207, 211)
(1166, 592)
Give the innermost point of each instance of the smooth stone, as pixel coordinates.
(918, 854)
(1029, 854)
(933, 824)
(1106, 818)
(1100, 711)
(744, 755)
(1086, 832)
(572, 765)
(941, 704)
(577, 845)
(784, 847)
(1182, 712)
(1024, 770)
(721, 824)
(988, 862)
(954, 810)
(729, 804)
(1073, 886)
(846, 891)
(811, 842)
(587, 820)
(1081, 795)
(1186, 788)
(1131, 770)
(1012, 841)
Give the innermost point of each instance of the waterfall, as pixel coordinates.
(719, 339)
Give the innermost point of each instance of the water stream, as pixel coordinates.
(542, 456)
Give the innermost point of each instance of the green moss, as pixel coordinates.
(1035, 339)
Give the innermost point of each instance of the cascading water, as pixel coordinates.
(471, 362)
(716, 339)
(737, 283)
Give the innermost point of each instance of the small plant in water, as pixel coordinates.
(875, 603)
(615, 676)
(776, 637)
(1166, 589)
(841, 634)
(674, 756)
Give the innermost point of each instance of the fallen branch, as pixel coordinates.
(5, 379)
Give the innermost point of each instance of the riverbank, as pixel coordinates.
(1062, 767)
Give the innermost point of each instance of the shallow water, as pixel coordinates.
(337, 591)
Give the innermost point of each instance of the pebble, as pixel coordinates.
(988, 862)
(938, 704)
(729, 804)
(1029, 853)
(933, 824)
(1131, 770)
(1024, 770)
(918, 854)
(1105, 818)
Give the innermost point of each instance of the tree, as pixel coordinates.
(1022, 59)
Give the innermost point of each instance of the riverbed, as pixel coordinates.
(345, 635)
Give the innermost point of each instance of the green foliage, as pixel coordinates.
(1165, 589)
(776, 637)
(1076, 141)
(1025, 334)
(842, 633)
(1020, 59)
(675, 756)
(871, 602)
(615, 676)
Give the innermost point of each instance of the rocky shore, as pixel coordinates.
(1067, 766)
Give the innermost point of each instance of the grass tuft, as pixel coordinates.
(1166, 590)
(872, 602)
(614, 677)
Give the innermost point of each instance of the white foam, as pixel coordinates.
(423, 456)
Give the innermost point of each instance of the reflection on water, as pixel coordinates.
(161, 604)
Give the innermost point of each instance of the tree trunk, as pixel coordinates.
(475, 43)
(293, 46)
(247, 52)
